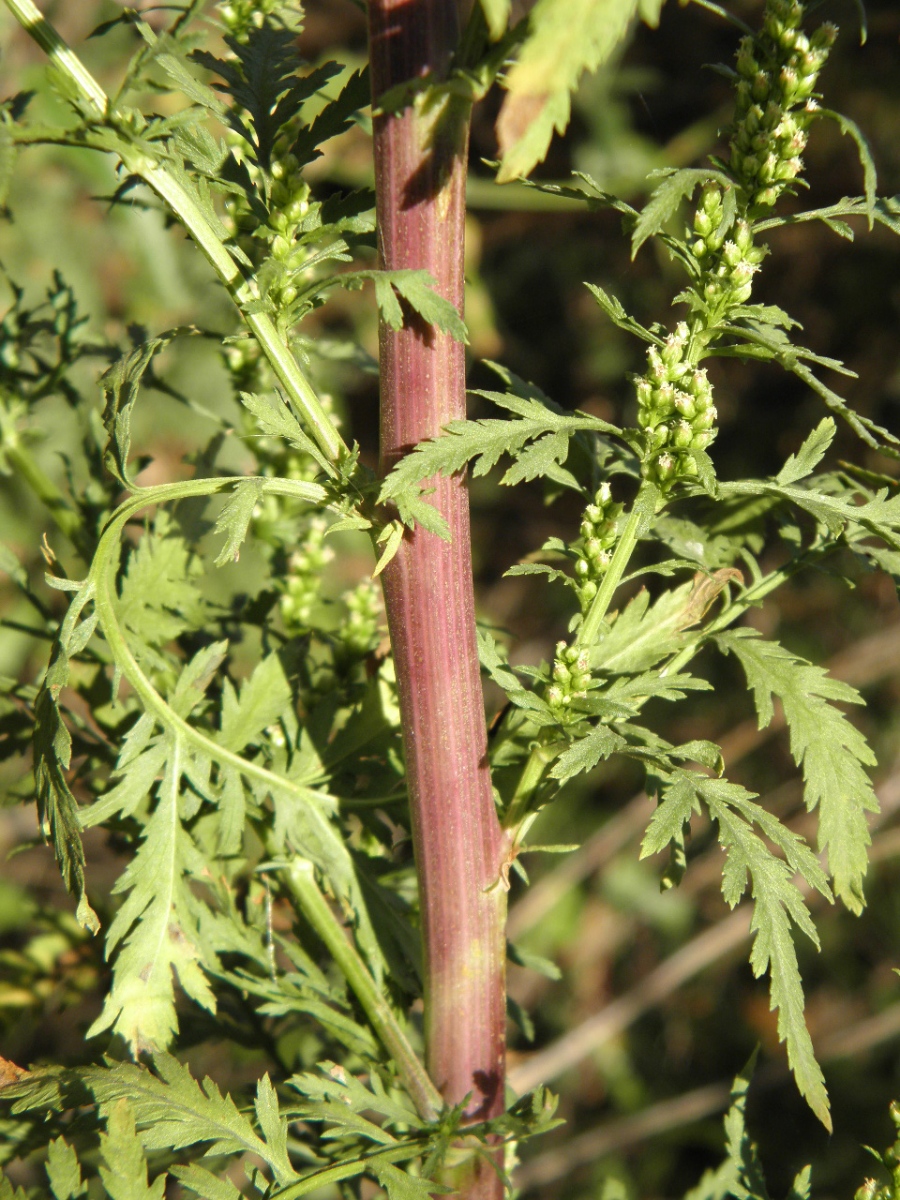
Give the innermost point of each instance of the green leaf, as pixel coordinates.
(124, 1167)
(263, 698)
(63, 1171)
(172, 1111)
(649, 11)
(602, 742)
(392, 537)
(831, 751)
(651, 683)
(121, 384)
(58, 812)
(666, 199)
(159, 598)
(400, 1186)
(643, 634)
(419, 290)
(158, 927)
(334, 1086)
(496, 13)
(277, 421)
(234, 519)
(778, 903)
(203, 1183)
(336, 117)
(496, 666)
(188, 83)
(617, 314)
(537, 437)
(261, 78)
(810, 454)
(9, 1192)
(870, 176)
(878, 515)
(565, 38)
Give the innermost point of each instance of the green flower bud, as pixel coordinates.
(644, 391)
(699, 384)
(746, 64)
(868, 1190)
(789, 169)
(682, 435)
(657, 370)
(823, 37)
(705, 419)
(746, 164)
(766, 198)
(665, 467)
(684, 404)
(759, 88)
(665, 397)
(671, 352)
(732, 254)
(561, 672)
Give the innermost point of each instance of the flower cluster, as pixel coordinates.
(570, 676)
(359, 634)
(871, 1189)
(777, 74)
(275, 238)
(239, 17)
(303, 580)
(598, 536)
(727, 265)
(675, 410)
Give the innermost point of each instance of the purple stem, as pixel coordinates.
(420, 172)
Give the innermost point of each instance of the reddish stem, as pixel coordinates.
(420, 171)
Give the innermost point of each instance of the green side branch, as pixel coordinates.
(164, 184)
(301, 881)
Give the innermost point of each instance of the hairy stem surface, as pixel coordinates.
(420, 163)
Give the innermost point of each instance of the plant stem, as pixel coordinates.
(155, 175)
(420, 170)
(66, 518)
(38, 27)
(644, 504)
(315, 908)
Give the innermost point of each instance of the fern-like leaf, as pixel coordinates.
(831, 751)
(777, 902)
(537, 438)
(124, 1167)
